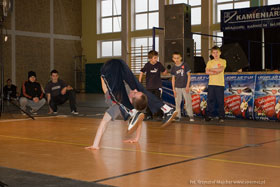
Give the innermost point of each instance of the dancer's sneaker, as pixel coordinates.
(135, 121)
(169, 116)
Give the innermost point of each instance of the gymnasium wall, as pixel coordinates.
(43, 35)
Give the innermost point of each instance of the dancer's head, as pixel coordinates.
(138, 100)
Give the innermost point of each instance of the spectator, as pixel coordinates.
(58, 92)
(32, 94)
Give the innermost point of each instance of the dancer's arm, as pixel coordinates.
(104, 87)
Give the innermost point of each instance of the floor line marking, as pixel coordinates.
(149, 152)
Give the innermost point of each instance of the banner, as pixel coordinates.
(250, 18)
(267, 97)
(199, 94)
(247, 96)
(239, 93)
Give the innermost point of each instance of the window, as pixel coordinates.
(218, 41)
(273, 2)
(228, 4)
(139, 51)
(146, 14)
(195, 9)
(110, 16)
(109, 48)
(197, 44)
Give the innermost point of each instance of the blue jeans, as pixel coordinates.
(215, 98)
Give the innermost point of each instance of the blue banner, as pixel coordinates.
(250, 18)
(239, 96)
(267, 97)
(247, 96)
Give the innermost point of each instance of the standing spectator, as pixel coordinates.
(215, 69)
(10, 90)
(153, 68)
(181, 78)
(32, 94)
(58, 92)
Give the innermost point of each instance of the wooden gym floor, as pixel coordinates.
(183, 154)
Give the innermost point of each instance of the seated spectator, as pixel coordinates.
(58, 92)
(32, 94)
(10, 90)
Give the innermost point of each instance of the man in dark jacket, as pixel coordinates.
(10, 90)
(32, 94)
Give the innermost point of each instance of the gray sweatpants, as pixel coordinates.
(24, 102)
(180, 92)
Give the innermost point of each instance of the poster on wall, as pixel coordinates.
(239, 96)
(199, 94)
(267, 97)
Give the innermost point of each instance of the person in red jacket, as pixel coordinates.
(32, 94)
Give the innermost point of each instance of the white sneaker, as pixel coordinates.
(191, 120)
(132, 113)
(135, 121)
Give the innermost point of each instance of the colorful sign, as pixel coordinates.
(267, 97)
(250, 18)
(246, 96)
(239, 93)
(199, 94)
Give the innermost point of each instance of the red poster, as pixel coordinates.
(265, 105)
(196, 103)
(232, 104)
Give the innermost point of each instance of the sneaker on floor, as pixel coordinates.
(191, 119)
(75, 112)
(169, 116)
(221, 120)
(135, 121)
(55, 113)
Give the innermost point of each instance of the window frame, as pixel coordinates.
(112, 16)
(135, 68)
(148, 12)
(99, 48)
(233, 2)
(265, 3)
